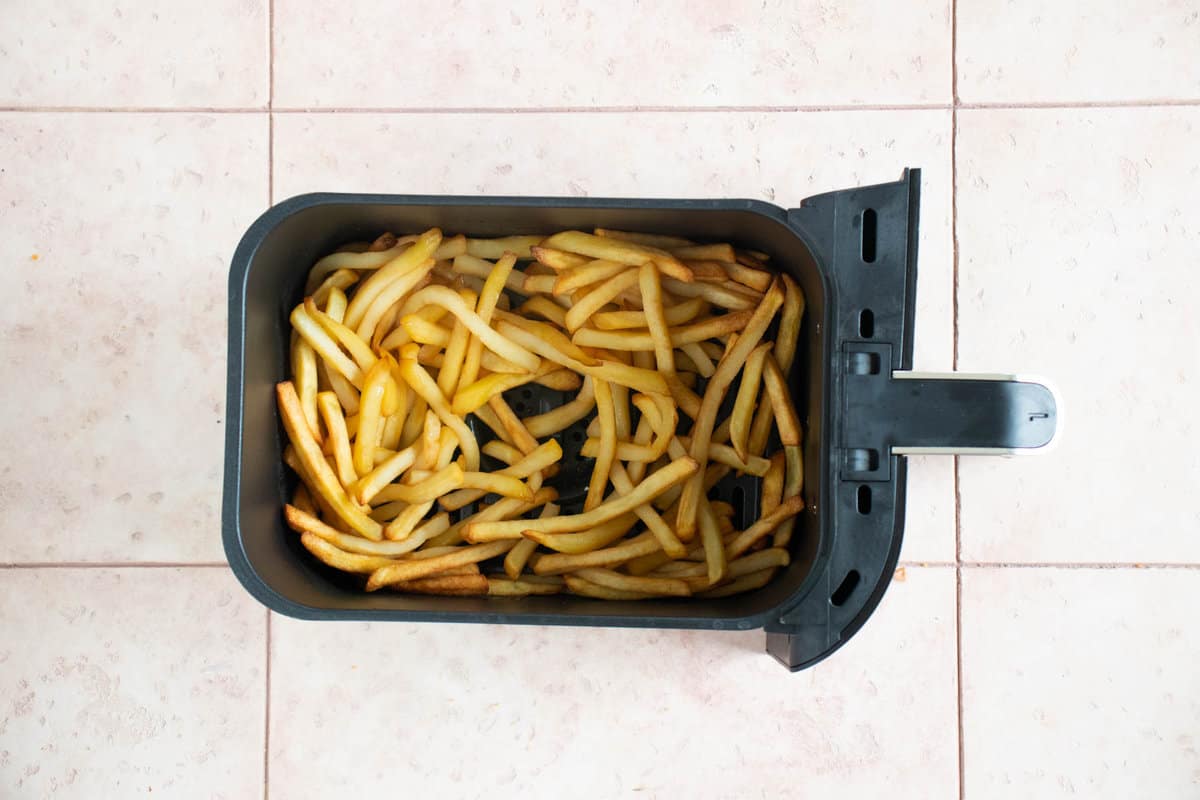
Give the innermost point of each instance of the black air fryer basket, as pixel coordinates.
(854, 254)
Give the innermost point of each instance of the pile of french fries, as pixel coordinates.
(400, 341)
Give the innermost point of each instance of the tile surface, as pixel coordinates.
(109, 688)
(1018, 51)
(123, 54)
(119, 230)
(590, 53)
(1078, 262)
(1081, 683)
(469, 711)
(777, 157)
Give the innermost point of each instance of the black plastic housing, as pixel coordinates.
(851, 251)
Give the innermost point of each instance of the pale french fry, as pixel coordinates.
(352, 261)
(560, 380)
(547, 453)
(652, 304)
(451, 248)
(647, 490)
(400, 571)
(341, 280)
(600, 296)
(493, 483)
(714, 546)
(494, 341)
(493, 287)
(735, 356)
(545, 307)
(456, 351)
(324, 481)
(654, 523)
(558, 563)
(742, 415)
(410, 434)
(499, 587)
(415, 259)
(557, 260)
(675, 315)
(423, 331)
(691, 333)
(325, 346)
(564, 416)
(549, 334)
(440, 483)
(641, 437)
(503, 451)
(496, 248)
(586, 588)
(644, 239)
(610, 249)
(593, 272)
(358, 349)
(407, 522)
(516, 559)
(711, 271)
(700, 360)
(640, 380)
(420, 382)
(369, 420)
(723, 295)
(304, 375)
(615, 580)
(607, 446)
(789, 508)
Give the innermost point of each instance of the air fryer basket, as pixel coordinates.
(853, 252)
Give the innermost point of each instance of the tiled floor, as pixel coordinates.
(1042, 638)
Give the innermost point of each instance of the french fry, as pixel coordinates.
(644, 239)
(700, 360)
(516, 430)
(494, 341)
(742, 415)
(440, 483)
(546, 308)
(340, 559)
(792, 486)
(789, 508)
(722, 295)
(781, 404)
(399, 271)
(785, 350)
(325, 346)
(341, 280)
(420, 382)
(305, 522)
(585, 588)
(516, 558)
(565, 415)
(324, 481)
(445, 584)
(647, 490)
(493, 287)
(496, 248)
(693, 332)
(735, 356)
(771, 490)
(610, 249)
(675, 315)
(557, 260)
(707, 252)
(590, 273)
(756, 279)
(400, 571)
(615, 580)
(662, 531)
(499, 587)
(607, 446)
(304, 375)
(558, 563)
(598, 297)
(352, 261)
(746, 583)
(543, 456)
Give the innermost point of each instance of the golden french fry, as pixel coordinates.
(756, 279)
(304, 375)
(564, 416)
(339, 280)
(557, 260)
(325, 346)
(545, 307)
(309, 454)
(414, 260)
(723, 295)
(781, 404)
(440, 483)
(654, 522)
(560, 380)
(714, 546)
(359, 350)
(615, 580)
(792, 486)
(742, 415)
(706, 252)
(644, 239)
(340, 559)
(735, 356)
(352, 261)
(493, 287)
(647, 490)
(569, 280)
(400, 571)
(369, 419)
(746, 583)
(585, 588)
(503, 451)
(771, 490)
(456, 351)
(789, 508)
(707, 271)
(700, 360)
(640, 380)
(445, 584)
(367, 488)
(610, 249)
(496, 248)
(516, 430)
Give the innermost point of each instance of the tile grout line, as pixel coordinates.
(267, 714)
(958, 627)
(810, 108)
(270, 202)
(115, 565)
(1060, 565)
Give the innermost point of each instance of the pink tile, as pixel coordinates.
(362, 53)
(109, 688)
(1078, 262)
(121, 54)
(472, 711)
(1017, 51)
(1080, 682)
(777, 157)
(119, 232)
